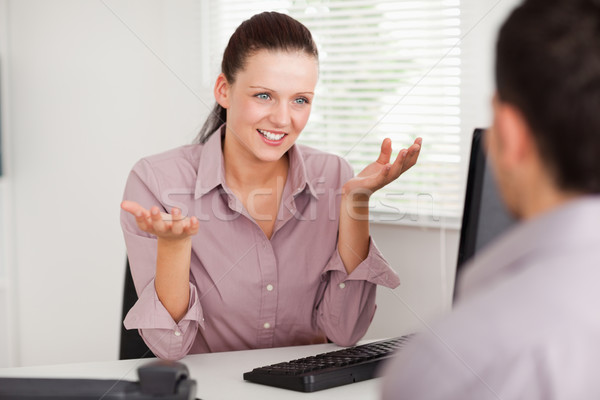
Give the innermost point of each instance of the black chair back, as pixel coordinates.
(132, 345)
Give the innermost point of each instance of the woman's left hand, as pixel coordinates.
(379, 173)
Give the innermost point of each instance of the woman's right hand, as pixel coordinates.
(162, 225)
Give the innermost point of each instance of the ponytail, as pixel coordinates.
(216, 118)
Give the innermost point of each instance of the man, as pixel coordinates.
(527, 323)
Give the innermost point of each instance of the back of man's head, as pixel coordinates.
(548, 66)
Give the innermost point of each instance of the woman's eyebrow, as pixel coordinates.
(271, 90)
(260, 87)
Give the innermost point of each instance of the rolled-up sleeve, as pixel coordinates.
(347, 305)
(166, 338)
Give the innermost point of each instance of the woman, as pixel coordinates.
(267, 242)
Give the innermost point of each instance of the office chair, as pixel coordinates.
(132, 345)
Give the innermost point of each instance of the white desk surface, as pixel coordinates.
(218, 375)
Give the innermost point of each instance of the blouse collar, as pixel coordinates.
(211, 168)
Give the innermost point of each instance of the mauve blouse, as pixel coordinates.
(247, 291)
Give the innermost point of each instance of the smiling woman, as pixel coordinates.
(268, 103)
(217, 232)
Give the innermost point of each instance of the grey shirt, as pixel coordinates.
(526, 325)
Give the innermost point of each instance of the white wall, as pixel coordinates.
(7, 307)
(425, 259)
(87, 99)
(93, 86)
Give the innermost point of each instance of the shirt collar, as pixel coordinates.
(211, 168)
(297, 174)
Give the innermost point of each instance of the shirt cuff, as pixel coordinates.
(149, 313)
(374, 269)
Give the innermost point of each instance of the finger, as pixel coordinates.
(412, 156)
(178, 223)
(398, 165)
(158, 223)
(175, 215)
(415, 148)
(140, 213)
(407, 157)
(144, 221)
(132, 207)
(192, 227)
(386, 151)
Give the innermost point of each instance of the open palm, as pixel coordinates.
(166, 226)
(381, 172)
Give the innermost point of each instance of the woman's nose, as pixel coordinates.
(281, 114)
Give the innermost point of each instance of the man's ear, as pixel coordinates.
(221, 91)
(514, 135)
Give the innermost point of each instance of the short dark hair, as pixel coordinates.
(548, 66)
(265, 31)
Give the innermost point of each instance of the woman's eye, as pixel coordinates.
(301, 100)
(263, 96)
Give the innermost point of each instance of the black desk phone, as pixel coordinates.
(158, 380)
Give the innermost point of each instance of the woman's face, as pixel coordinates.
(269, 103)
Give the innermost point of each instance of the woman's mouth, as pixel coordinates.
(271, 137)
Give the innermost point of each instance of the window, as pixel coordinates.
(387, 69)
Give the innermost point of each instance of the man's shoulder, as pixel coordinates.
(548, 305)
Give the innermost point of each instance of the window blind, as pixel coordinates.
(387, 69)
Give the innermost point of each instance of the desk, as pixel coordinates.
(218, 375)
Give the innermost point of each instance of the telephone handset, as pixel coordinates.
(162, 378)
(158, 380)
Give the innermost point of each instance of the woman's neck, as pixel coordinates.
(246, 172)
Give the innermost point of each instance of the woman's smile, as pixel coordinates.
(272, 138)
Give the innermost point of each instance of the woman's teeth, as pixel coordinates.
(272, 136)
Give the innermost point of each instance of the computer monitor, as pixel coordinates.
(484, 217)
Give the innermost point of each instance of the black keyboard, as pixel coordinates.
(327, 370)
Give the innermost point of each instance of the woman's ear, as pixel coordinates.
(221, 91)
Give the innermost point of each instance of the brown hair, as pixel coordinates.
(548, 66)
(265, 31)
